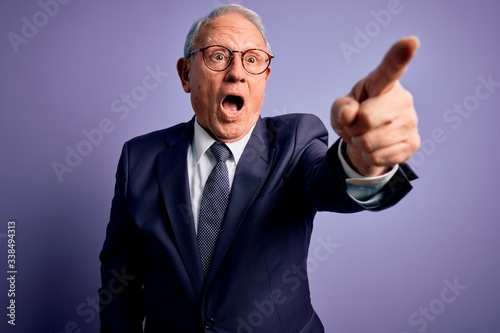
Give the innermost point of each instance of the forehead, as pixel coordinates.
(231, 28)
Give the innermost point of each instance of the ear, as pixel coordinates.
(267, 73)
(183, 68)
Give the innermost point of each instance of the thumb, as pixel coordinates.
(343, 114)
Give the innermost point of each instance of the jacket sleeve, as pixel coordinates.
(396, 188)
(324, 178)
(120, 296)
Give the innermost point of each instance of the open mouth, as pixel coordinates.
(233, 103)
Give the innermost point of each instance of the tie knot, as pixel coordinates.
(220, 151)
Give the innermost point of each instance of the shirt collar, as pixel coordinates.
(202, 141)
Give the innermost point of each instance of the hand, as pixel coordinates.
(377, 119)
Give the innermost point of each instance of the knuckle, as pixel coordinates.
(414, 120)
(410, 122)
(364, 118)
(415, 143)
(408, 96)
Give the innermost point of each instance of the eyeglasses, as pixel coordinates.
(218, 58)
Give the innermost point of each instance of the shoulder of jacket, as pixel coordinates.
(158, 136)
(295, 122)
(292, 117)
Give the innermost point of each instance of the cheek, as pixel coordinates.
(258, 94)
(202, 82)
(202, 95)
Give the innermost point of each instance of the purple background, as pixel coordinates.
(385, 267)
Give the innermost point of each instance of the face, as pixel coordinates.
(228, 103)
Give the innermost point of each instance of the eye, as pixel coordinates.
(251, 59)
(218, 56)
(255, 57)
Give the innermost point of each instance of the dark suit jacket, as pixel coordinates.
(150, 262)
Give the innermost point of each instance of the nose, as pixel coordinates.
(236, 72)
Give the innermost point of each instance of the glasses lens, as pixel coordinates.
(255, 61)
(217, 58)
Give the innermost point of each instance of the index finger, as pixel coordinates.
(392, 67)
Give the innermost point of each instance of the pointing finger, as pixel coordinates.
(389, 71)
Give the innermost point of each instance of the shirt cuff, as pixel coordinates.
(362, 188)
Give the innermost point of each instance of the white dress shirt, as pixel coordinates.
(201, 162)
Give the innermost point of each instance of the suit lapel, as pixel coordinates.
(252, 171)
(174, 183)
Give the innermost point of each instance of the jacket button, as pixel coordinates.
(209, 323)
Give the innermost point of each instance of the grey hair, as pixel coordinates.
(249, 14)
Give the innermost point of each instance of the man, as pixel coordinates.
(156, 265)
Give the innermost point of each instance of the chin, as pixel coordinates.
(230, 134)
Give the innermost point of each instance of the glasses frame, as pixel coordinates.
(203, 49)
